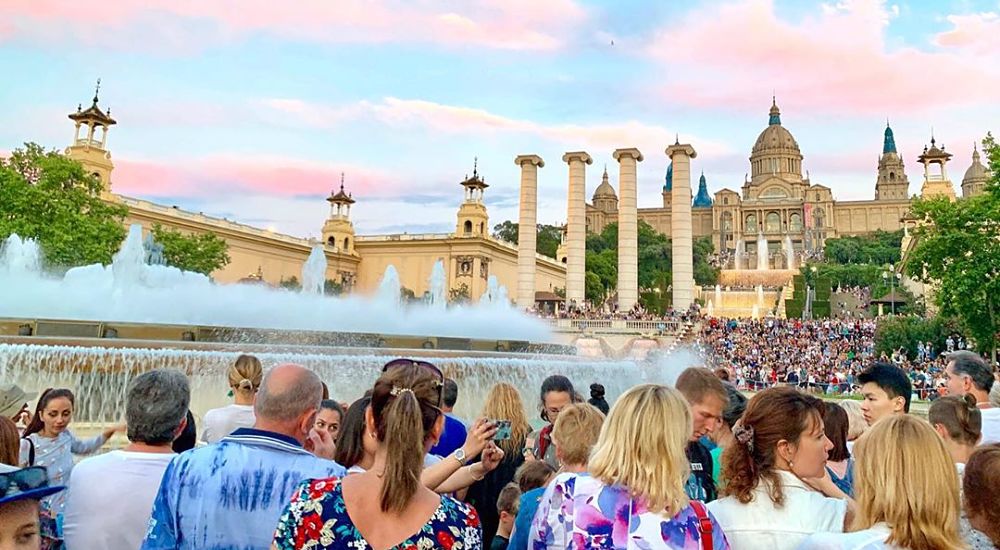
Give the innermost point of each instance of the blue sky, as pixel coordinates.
(251, 109)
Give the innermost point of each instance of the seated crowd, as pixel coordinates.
(695, 465)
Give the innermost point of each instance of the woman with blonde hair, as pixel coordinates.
(906, 490)
(634, 496)
(502, 403)
(244, 380)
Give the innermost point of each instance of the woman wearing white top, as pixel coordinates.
(906, 492)
(244, 379)
(779, 444)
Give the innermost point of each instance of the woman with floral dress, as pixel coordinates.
(633, 497)
(386, 506)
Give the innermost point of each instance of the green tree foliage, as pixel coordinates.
(705, 274)
(548, 239)
(291, 283)
(906, 331)
(879, 248)
(201, 253)
(332, 288)
(958, 250)
(49, 197)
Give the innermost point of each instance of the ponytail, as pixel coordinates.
(36, 424)
(404, 441)
(960, 417)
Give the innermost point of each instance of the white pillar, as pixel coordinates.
(527, 232)
(576, 226)
(682, 246)
(628, 229)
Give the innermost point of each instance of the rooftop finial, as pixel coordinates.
(774, 115)
(677, 139)
(932, 136)
(341, 181)
(97, 90)
(475, 167)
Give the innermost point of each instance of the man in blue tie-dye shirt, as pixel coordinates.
(230, 495)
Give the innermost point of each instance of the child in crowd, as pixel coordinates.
(507, 505)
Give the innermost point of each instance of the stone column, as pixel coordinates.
(527, 230)
(682, 247)
(628, 229)
(576, 226)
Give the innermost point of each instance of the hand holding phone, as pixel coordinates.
(503, 430)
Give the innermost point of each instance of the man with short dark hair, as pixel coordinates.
(454, 433)
(111, 495)
(707, 397)
(231, 494)
(886, 390)
(969, 373)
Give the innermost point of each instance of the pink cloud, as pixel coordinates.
(175, 24)
(837, 60)
(976, 33)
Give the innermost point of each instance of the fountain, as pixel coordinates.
(314, 271)
(755, 312)
(762, 253)
(738, 255)
(789, 253)
(436, 297)
(718, 294)
(760, 295)
(710, 309)
(19, 257)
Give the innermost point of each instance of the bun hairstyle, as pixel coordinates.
(771, 415)
(405, 405)
(246, 374)
(596, 391)
(960, 417)
(47, 396)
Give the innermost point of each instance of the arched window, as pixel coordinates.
(331, 241)
(725, 200)
(468, 227)
(751, 223)
(892, 176)
(727, 222)
(347, 243)
(795, 222)
(772, 222)
(482, 228)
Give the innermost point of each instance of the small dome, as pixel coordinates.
(976, 172)
(889, 142)
(668, 181)
(604, 190)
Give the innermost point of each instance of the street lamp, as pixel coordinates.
(891, 276)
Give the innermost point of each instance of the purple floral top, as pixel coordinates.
(580, 512)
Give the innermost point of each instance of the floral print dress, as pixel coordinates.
(317, 519)
(579, 512)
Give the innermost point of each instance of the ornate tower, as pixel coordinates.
(892, 183)
(89, 147)
(473, 221)
(338, 231)
(974, 182)
(936, 184)
(668, 186)
(702, 199)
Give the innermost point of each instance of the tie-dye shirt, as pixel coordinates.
(578, 512)
(229, 496)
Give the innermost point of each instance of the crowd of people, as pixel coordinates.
(696, 465)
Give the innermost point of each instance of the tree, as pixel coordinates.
(291, 283)
(332, 288)
(51, 198)
(547, 240)
(879, 248)
(957, 250)
(705, 274)
(201, 253)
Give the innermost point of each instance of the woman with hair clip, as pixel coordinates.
(906, 490)
(959, 423)
(386, 506)
(245, 377)
(48, 442)
(777, 459)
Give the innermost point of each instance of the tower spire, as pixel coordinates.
(774, 115)
(97, 91)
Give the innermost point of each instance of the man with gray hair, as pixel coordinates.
(231, 494)
(111, 495)
(968, 373)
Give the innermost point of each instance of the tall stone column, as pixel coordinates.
(628, 229)
(527, 229)
(682, 247)
(576, 226)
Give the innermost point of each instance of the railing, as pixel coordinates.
(623, 325)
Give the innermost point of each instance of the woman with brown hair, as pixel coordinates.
(779, 444)
(502, 403)
(244, 380)
(839, 463)
(959, 423)
(387, 505)
(10, 443)
(980, 483)
(906, 491)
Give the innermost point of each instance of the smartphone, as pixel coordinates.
(503, 430)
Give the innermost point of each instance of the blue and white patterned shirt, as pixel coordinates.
(229, 496)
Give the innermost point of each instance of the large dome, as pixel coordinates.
(976, 172)
(604, 190)
(776, 153)
(775, 138)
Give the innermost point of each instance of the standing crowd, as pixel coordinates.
(696, 465)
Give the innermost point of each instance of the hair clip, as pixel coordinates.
(396, 390)
(744, 434)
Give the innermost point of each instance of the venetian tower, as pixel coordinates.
(974, 182)
(892, 183)
(473, 221)
(936, 182)
(90, 148)
(338, 231)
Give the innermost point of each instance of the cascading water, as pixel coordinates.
(130, 291)
(314, 271)
(762, 263)
(789, 253)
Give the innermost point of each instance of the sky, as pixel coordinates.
(252, 109)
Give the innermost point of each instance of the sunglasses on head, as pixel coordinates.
(20, 481)
(396, 363)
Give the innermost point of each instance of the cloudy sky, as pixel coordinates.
(251, 109)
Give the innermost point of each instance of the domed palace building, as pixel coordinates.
(780, 205)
